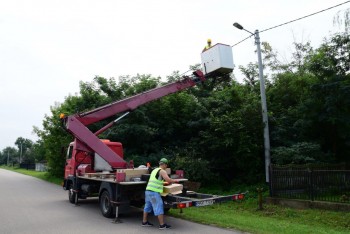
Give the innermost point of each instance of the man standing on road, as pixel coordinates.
(152, 195)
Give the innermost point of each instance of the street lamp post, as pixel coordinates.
(263, 101)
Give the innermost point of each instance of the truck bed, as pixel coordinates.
(110, 177)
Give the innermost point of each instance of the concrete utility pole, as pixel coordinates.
(263, 101)
(8, 156)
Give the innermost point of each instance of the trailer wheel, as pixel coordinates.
(106, 205)
(71, 195)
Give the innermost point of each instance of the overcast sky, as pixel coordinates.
(48, 46)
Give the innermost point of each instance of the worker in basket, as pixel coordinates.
(208, 45)
(153, 198)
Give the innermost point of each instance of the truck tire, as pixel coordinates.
(71, 195)
(106, 204)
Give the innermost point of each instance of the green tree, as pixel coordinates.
(24, 149)
(286, 94)
(38, 151)
(299, 153)
(308, 102)
(9, 156)
(329, 97)
(231, 141)
(342, 18)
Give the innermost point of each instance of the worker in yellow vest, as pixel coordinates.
(152, 195)
(208, 45)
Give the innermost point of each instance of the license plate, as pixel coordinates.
(205, 203)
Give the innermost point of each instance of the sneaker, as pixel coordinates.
(147, 224)
(164, 226)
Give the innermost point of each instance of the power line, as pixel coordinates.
(294, 20)
(242, 40)
(304, 17)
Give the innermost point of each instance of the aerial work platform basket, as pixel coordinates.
(217, 60)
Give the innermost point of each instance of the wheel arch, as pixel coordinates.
(105, 186)
(70, 181)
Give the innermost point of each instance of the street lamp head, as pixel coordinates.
(240, 27)
(237, 25)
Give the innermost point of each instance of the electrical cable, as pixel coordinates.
(304, 17)
(242, 40)
(315, 13)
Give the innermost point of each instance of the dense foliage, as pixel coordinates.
(309, 105)
(214, 131)
(25, 152)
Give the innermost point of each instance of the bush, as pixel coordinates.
(299, 153)
(195, 169)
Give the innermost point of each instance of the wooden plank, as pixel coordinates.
(133, 173)
(173, 189)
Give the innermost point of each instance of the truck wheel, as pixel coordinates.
(71, 195)
(106, 205)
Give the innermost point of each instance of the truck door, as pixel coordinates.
(69, 168)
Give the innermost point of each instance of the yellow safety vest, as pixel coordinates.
(154, 184)
(206, 48)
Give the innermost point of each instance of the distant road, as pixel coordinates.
(32, 206)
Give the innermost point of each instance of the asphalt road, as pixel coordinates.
(29, 205)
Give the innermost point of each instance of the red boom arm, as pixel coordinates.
(76, 124)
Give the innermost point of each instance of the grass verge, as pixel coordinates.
(244, 215)
(272, 219)
(38, 174)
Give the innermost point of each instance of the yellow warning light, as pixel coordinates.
(62, 116)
